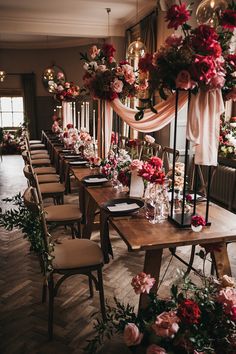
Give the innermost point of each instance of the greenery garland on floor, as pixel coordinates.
(25, 220)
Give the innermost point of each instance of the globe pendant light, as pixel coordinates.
(136, 49)
(208, 11)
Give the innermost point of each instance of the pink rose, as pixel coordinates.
(183, 81)
(166, 324)
(67, 85)
(94, 51)
(174, 40)
(217, 81)
(142, 283)
(60, 75)
(136, 164)
(132, 335)
(155, 349)
(149, 139)
(128, 73)
(227, 297)
(84, 136)
(117, 85)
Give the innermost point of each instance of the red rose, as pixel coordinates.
(203, 68)
(69, 126)
(189, 312)
(228, 19)
(108, 50)
(145, 63)
(177, 15)
(156, 162)
(204, 40)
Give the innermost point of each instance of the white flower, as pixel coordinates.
(149, 139)
(86, 66)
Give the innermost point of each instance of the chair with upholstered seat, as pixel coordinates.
(67, 258)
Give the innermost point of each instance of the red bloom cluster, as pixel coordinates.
(124, 176)
(152, 170)
(145, 63)
(198, 220)
(189, 312)
(108, 50)
(67, 91)
(228, 19)
(204, 40)
(177, 15)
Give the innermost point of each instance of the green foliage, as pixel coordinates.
(25, 220)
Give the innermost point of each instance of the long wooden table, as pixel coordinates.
(140, 235)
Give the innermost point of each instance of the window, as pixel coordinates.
(11, 112)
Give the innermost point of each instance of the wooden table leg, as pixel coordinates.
(221, 259)
(152, 266)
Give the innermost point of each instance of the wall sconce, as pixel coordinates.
(2, 75)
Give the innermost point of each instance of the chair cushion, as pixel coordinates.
(36, 152)
(41, 162)
(44, 170)
(48, 178)
(37, 146)
(35, 141)
(65, 212)
(50, 188)
(39, 156)
(76, 253)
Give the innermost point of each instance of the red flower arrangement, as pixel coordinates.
(198, 220)
(199, 59)
(151, 171)
(195, 319)
(104, 78)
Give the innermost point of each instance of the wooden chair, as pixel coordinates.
(66, 259)
(167, 157)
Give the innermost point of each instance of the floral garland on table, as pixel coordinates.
(197, 318)
(227, 139)
(77, 140)
(199, 59)
(104, 78)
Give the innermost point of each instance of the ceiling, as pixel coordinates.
(59, 23)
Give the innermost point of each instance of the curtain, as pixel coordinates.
(148, 31)
(30, 106)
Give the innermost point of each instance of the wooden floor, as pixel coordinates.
(23, 318)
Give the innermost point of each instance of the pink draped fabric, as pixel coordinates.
(203, 125)
(151, 121)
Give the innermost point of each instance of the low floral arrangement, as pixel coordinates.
(104, 78)
(9, 142)
(152, 171)
(64, 91)
(227, 139)
(77, 140)
(198, 318)
(200, 58)
(198, 220)
(56, 128)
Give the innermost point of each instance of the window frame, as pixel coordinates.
(11, 94)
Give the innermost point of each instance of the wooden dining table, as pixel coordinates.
(139, 235)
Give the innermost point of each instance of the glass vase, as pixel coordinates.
(153, 203)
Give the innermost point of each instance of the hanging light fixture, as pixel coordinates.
(2, 75)
(136, 49)
(108, 21)
(208, 11)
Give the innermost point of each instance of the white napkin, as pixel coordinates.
(123, 207)
(96, 180)
(78, 162)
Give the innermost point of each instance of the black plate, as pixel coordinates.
(98, 183)
(112, 202)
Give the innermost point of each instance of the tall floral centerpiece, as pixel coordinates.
(66, 93)
(106, 80)
(199, 64)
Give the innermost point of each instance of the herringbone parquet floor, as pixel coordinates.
(23, 318)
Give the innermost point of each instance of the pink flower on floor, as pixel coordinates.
(132, 335)
(166, 324)
(227, 297)
(155, 349)
(183, 81)
(142, 283)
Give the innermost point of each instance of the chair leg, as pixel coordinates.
(190, 264)
(50, 308)
(90, 286)
(44, 291)
(101, 294)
